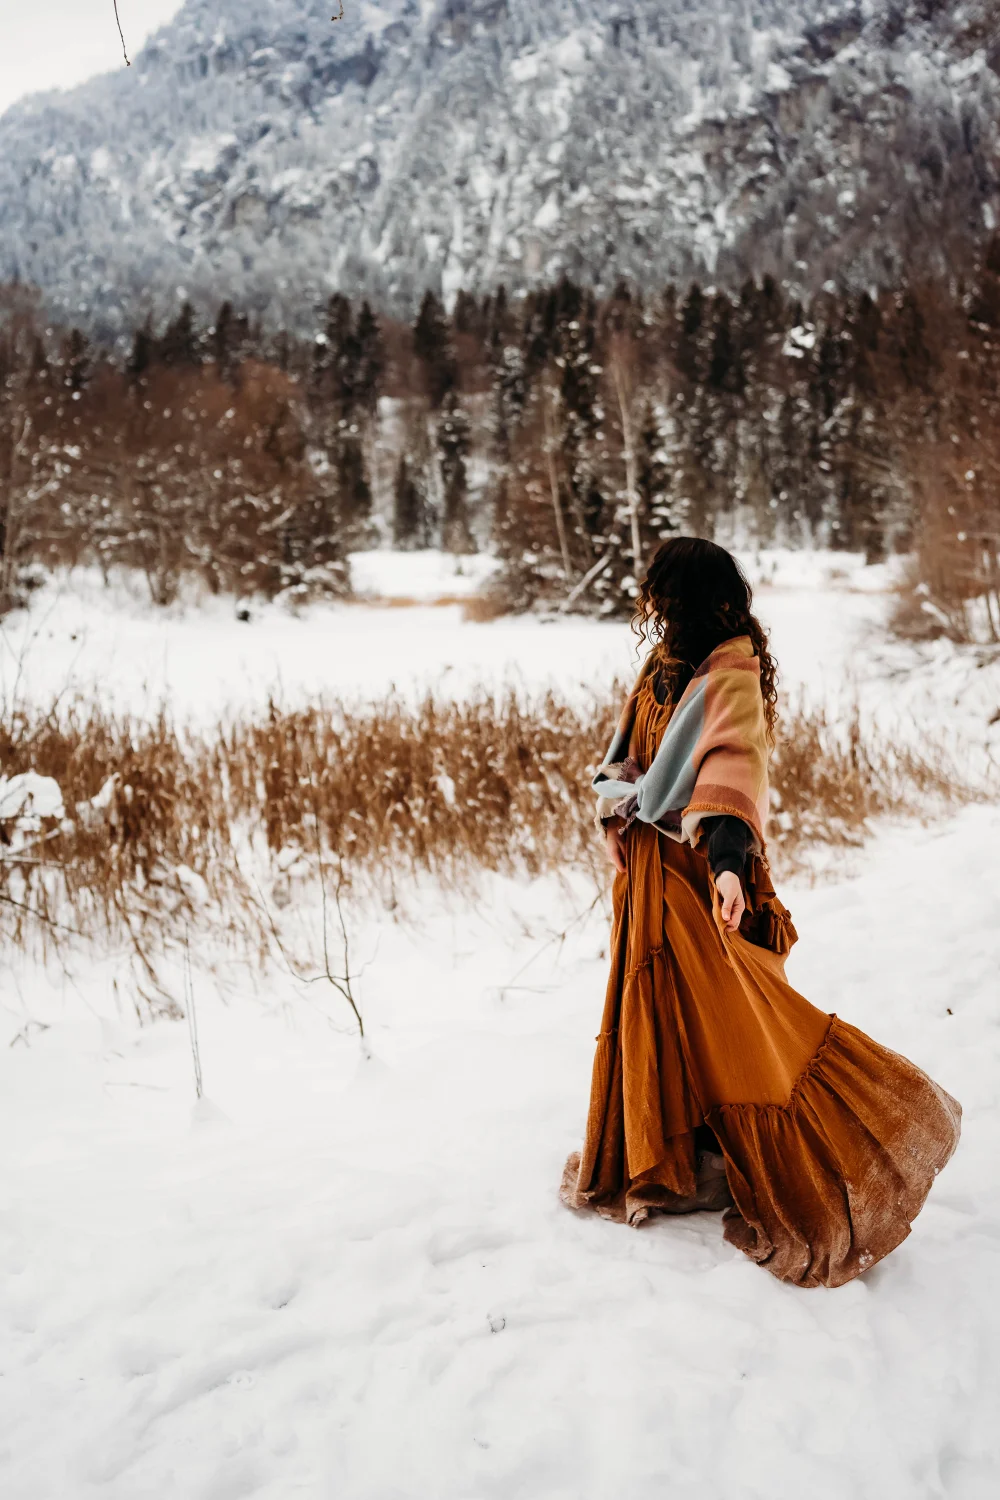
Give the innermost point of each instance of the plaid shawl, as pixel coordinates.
(711, 760)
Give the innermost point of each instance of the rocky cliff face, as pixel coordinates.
(257, 151)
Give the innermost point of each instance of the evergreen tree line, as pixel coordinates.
(565, 433)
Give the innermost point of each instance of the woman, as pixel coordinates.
(715, 1084)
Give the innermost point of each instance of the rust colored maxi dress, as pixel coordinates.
(831, 1142)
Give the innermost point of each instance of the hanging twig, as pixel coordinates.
(128, 63)
(122, 35)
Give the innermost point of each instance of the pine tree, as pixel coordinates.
(509, 394)
(344, 377)
(690, 336)
(985, 303)
(660, 513)
(826, 373)
(409, 517)
(864, 329)
(580, 410)
(222, 340)
(39, 369)
(354, 496)
(502, 520)
(453, 447)
(624, 312)
(370, 365)
(334, 373)
(179, 344)
(433, 347)
(76, 362)
(725, 373)
(467, 317)
(310, 563)
(539, 337)
(143, 352)
(500, 324)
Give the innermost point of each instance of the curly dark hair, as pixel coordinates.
(694, 596)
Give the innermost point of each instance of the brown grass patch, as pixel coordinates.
(490, 603)
(379, 794)
(831, 776)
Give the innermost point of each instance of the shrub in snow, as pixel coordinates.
(27, 801)
(27, 798)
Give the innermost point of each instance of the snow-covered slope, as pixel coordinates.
(258, 151)
(353, 1278)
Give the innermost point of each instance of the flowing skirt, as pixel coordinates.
(830, 1141)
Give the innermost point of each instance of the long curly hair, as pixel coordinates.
(694, 596)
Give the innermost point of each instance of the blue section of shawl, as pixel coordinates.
(668, 785)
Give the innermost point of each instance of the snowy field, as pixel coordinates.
(80, 638)
(826, 611)
(345, 1275)
(352, 1278)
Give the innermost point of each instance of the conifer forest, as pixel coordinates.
(563, 432)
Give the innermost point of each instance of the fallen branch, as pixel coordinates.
(585, 581)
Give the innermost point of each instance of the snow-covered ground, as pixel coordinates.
(826, 612)
(419, 576)
(351, 1277)
(348, 1274)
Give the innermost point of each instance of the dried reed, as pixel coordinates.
(382, 792)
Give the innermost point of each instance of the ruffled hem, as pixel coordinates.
(645, 1197)
(822, 1186)
(830, 1182)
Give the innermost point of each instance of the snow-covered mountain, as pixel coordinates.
(258, 151)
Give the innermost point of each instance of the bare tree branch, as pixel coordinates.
(122, 35)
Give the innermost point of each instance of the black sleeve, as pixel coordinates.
(728, 841)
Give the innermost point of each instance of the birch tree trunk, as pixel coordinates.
(623, 379)
(548, 400)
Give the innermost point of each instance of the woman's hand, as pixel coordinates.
(733, 905)
(614, 838)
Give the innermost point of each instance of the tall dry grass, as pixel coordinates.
(951, 584)
(833, 774)
(210, 826)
